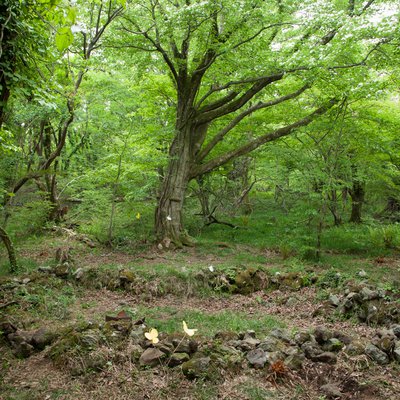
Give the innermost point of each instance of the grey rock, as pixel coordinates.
(270, 344)
(355, 348)
(396, 353)
(137, 334)
(280, 334)
(325, 357)
(345, 339)
(368, 294)
(334, 300)
(42, 338)
(197, 367)
(311, 350)
(257, 358)
(332, 345)
(249, 334)
(25, 281)
(396, 330)
(295, 359)
(302, 337)
(331, 391)
(376, 354)
(178, 359)
(151, 357)
(274, 356)
(322, 334)
(189, 346)
(249, 344)
(62, 270)
(23, 350)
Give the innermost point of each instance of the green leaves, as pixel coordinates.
(64, 38)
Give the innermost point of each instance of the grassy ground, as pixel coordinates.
(171, 294)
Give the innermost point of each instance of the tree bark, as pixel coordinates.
(357, 194)
(10, 249)
(169, 216)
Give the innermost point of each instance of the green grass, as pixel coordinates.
(169, 320)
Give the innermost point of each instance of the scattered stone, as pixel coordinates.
(333, 345)
(42, 338)
(385, 341)
(368, 294)
(302, 337)
(396, 352)
(185, 346)
(178, 359)
(151, 357)
(270, 344)
(322, 334)
(7, 327)
(376, 354)
(295, 358)
(345, 339)
(325, 357)
(197, 367)
(331, 391)
(334, 300)
(396, 330)
(362, 274)
(62, 270)
(250, 343)
(249, 334)
(257, 358)
(274, 356)
(280, 334)
(311, 350)
(23, 350)
(355, 348)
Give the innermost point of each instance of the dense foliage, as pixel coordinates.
(110, 110)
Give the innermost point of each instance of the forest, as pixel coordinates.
(200, 199)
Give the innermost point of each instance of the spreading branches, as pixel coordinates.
(261, 105)
(257, 142)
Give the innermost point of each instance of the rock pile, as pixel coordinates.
(369, 304)
(25, 343)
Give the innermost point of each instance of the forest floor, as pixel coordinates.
(169, 292)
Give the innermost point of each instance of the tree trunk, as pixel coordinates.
(333, 208)
(169, 217)
(10, 249)
(357, 194)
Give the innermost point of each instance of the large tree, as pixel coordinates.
(228, 59)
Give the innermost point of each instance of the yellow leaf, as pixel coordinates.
(189, 332)
(152, 336)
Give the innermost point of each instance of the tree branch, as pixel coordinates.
(257, 142)
(208, 116)
(222, 133)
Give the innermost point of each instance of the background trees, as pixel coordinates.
(222, 56)
(127, 106)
